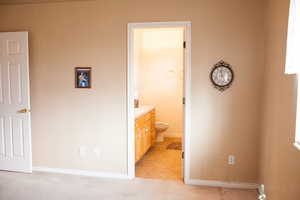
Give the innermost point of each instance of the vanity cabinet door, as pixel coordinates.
(153, 131)
(144, 134)
(147, 135)
(144, 141)
(139, 143)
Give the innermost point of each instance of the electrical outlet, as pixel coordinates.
(82, 151)
(231, 160)
(97, 152)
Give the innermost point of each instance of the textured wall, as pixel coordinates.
(280, 160)
(94, 33)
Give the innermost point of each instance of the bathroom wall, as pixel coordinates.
(160, 75)
(280, 160)
(137, 49)
(94, 33)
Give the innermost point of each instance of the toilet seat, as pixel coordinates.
(161, 126)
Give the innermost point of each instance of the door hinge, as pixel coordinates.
(183, 100)
(182, 155)
(184, 44)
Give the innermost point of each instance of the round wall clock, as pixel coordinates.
(221, 76)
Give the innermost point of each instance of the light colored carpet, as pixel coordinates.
(160, 162)
(47, 186)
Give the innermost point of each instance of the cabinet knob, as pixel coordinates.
(25, 110)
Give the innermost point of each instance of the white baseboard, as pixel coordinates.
(125, 176)
(81, 172)
(222, 184)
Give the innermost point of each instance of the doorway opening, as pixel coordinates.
(159, 63)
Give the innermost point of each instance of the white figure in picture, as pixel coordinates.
(83, 82)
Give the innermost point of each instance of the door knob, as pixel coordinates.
(25, 110)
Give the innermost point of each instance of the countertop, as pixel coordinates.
(142, 110)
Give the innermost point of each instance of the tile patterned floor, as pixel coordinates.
(160, 162)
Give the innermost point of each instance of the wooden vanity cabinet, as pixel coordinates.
(145, 134)
(152, 127)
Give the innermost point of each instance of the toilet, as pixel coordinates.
(160, 128)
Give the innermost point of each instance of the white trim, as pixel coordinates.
(29, 100)
(130, 105)
(124, 176)
(222, 184)
(130, 93)
(81, 172)
(175, 24)
(187, 94)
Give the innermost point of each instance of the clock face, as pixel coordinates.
(221, 76)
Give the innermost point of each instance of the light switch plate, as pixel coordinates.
(231, 160)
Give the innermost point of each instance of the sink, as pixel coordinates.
(142, 110)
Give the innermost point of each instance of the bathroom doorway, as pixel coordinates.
(159, 60)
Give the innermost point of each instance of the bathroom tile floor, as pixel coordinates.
(160, 162)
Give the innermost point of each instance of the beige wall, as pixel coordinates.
(94, 33)
(280, 160)
(160, 75)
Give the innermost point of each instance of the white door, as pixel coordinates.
(15, 132)
(183, 100)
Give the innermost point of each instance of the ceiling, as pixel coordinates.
(5, 2)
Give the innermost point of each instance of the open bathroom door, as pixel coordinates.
(186, 61)
(183, 99)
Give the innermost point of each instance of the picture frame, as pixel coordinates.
(83, 77)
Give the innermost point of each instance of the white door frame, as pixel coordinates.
(187, 92)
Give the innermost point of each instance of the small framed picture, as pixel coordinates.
(83, 77)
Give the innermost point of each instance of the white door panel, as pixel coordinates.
(15, 130)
